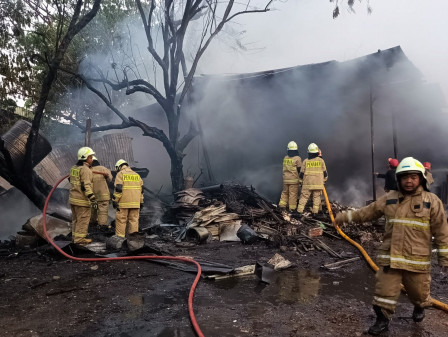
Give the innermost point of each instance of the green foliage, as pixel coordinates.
(29, 36)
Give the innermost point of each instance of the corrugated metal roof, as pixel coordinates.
(108, 149)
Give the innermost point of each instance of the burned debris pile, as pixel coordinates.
(233, 212)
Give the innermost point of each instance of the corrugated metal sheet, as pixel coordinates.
(108, 149)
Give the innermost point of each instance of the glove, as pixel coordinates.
(93, 203)
(340, 219)
(141, 206)
(115, 204)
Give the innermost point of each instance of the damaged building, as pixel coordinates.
(247, 120)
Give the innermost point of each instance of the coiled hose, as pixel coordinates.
(437, 304)
(193, 286)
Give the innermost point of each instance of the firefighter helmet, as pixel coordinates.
(393, 163)
(427, 165)
(292, 146)
(119, 163)
(313, 148)
(85, 152)
(410, 165)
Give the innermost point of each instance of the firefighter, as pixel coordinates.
(81, 197)
(390, 183)
(291, 169)
(101, 175)
(313, 175)
(429, 178)
(413, 217)
(127, 199)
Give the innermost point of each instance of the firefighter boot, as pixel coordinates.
(418, 314)
(295, 214)
(83, 241)
(381, 323)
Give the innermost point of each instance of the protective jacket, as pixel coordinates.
(390, 183)
(81, 189)
(429, 178)
(290, 172)
(128, 188)
(411, 223)
(101, 175)
(313, 173)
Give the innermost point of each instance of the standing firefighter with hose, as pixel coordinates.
(101, 176)
(81, 196)
(313, 175)
(414, 217)
(127, 199)
(291, 169)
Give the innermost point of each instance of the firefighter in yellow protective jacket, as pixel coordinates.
(291, 168)
(81, 197)
(313, 175)
(101, 175)
(415, 219)
(127, 198)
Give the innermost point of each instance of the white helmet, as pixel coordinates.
(119, 163)
(313, 148)
(411, 165)
(292, 145)
(85, 152)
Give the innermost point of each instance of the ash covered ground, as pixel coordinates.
(44, 294)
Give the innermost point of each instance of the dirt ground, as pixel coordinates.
(47, 295)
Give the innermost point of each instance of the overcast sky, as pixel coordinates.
(303, 31)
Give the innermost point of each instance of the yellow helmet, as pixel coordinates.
(119, 163)
(85, 152)
(313, 148)
(411, 165)
(292, 146)
(94, 158)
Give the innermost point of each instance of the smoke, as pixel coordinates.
(248, 122)
(249, 119)
(15, 210)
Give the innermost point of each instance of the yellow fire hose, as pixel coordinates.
(435, 303)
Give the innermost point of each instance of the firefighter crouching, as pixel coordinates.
(313, 175)
(81, 197)
(413, 217)
(101, 175)
(127, 199)
(291, 168)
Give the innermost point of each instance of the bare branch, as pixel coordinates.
(187, 138)
(99, 94)
(147, 25)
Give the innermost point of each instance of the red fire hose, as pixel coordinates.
(193, 286)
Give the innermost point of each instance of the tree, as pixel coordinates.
(171, 20)
(71, 19)
(351, 8)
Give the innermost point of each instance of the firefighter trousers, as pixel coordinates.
(80, 222)
(388, 288)
(305, 195)
(289, 196)
(100, 215)
(124, 216)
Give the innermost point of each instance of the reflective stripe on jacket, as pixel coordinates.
(290, 172)
(313, 173)
(128, 189)
(101, 175)
(411, 223)
(81, 185)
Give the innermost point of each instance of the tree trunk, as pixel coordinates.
(177, 173)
